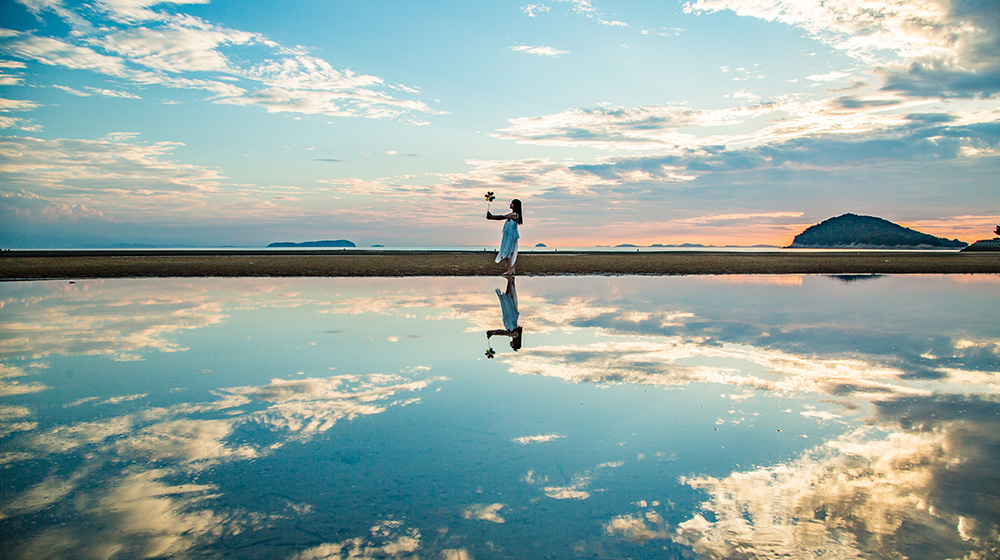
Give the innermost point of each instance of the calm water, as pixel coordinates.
(641, 417)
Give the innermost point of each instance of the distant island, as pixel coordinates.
(326, 243)
(540, 245)
(986, 244)
(852, 231)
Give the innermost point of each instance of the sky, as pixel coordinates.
(723, 122)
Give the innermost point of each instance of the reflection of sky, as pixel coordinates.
(358, 418)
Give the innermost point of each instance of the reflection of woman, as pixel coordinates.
(508, 306)
(508, 243)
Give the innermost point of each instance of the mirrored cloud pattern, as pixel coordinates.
(727, 417)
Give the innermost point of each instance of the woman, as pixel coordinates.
(508, 244)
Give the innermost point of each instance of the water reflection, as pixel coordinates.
(511, 317)
(714, 417)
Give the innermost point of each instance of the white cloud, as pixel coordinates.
(168, 49)
(829, 76)
(927, 47)
(175, 50)
(138, 10)
(99, 167)
(54, 52)
(540, 51)
(532, 10)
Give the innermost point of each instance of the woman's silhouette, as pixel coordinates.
(508, 243)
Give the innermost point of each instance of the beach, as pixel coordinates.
(38, 265)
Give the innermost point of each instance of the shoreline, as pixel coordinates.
(65, 265)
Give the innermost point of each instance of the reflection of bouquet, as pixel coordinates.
(489, 198)
(490, 352)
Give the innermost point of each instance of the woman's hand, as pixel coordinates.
(489, 214)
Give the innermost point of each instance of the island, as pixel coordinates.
(325, 243)
(851, 231)
(992, 245)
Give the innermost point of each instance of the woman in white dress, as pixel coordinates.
(508, 243)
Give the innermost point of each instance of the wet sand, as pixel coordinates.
(33, 265)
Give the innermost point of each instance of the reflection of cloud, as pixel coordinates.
(485, 512)
(387, 539)
(524, 440)
(675, 361)
(303, 407)
(137, 516)
(104, 322)
(15, 419)
(9, 388)
(186, 441)
(140, 515)
(859, 496)
(638, 529)
(41, 495)
(575, 491)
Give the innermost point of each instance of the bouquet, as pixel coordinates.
(489, 198)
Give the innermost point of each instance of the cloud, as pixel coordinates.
(729, 218)
(532, 10)
(166, 48)
(927, 47)
(177, 49)
(97, 179)
(681, 130)
(54, 52)
(903, 140)
(138, 10)
(11, 105)
(540, 51)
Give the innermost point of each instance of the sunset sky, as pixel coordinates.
(225, 122)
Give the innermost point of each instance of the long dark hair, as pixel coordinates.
(516, 203)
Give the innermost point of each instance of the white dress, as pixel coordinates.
(508, 244)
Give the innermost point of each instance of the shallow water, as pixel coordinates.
(642, 417)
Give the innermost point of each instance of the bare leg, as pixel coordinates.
(510, 268)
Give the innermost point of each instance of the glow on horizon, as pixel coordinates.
(716, 122)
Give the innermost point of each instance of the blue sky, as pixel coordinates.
(707, 121)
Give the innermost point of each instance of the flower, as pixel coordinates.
(490, 353)
(490, 197)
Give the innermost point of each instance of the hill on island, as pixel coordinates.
(851, 231)
(325, 243)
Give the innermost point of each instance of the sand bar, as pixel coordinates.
(34, 265)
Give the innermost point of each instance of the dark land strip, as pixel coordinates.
(36, 265)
